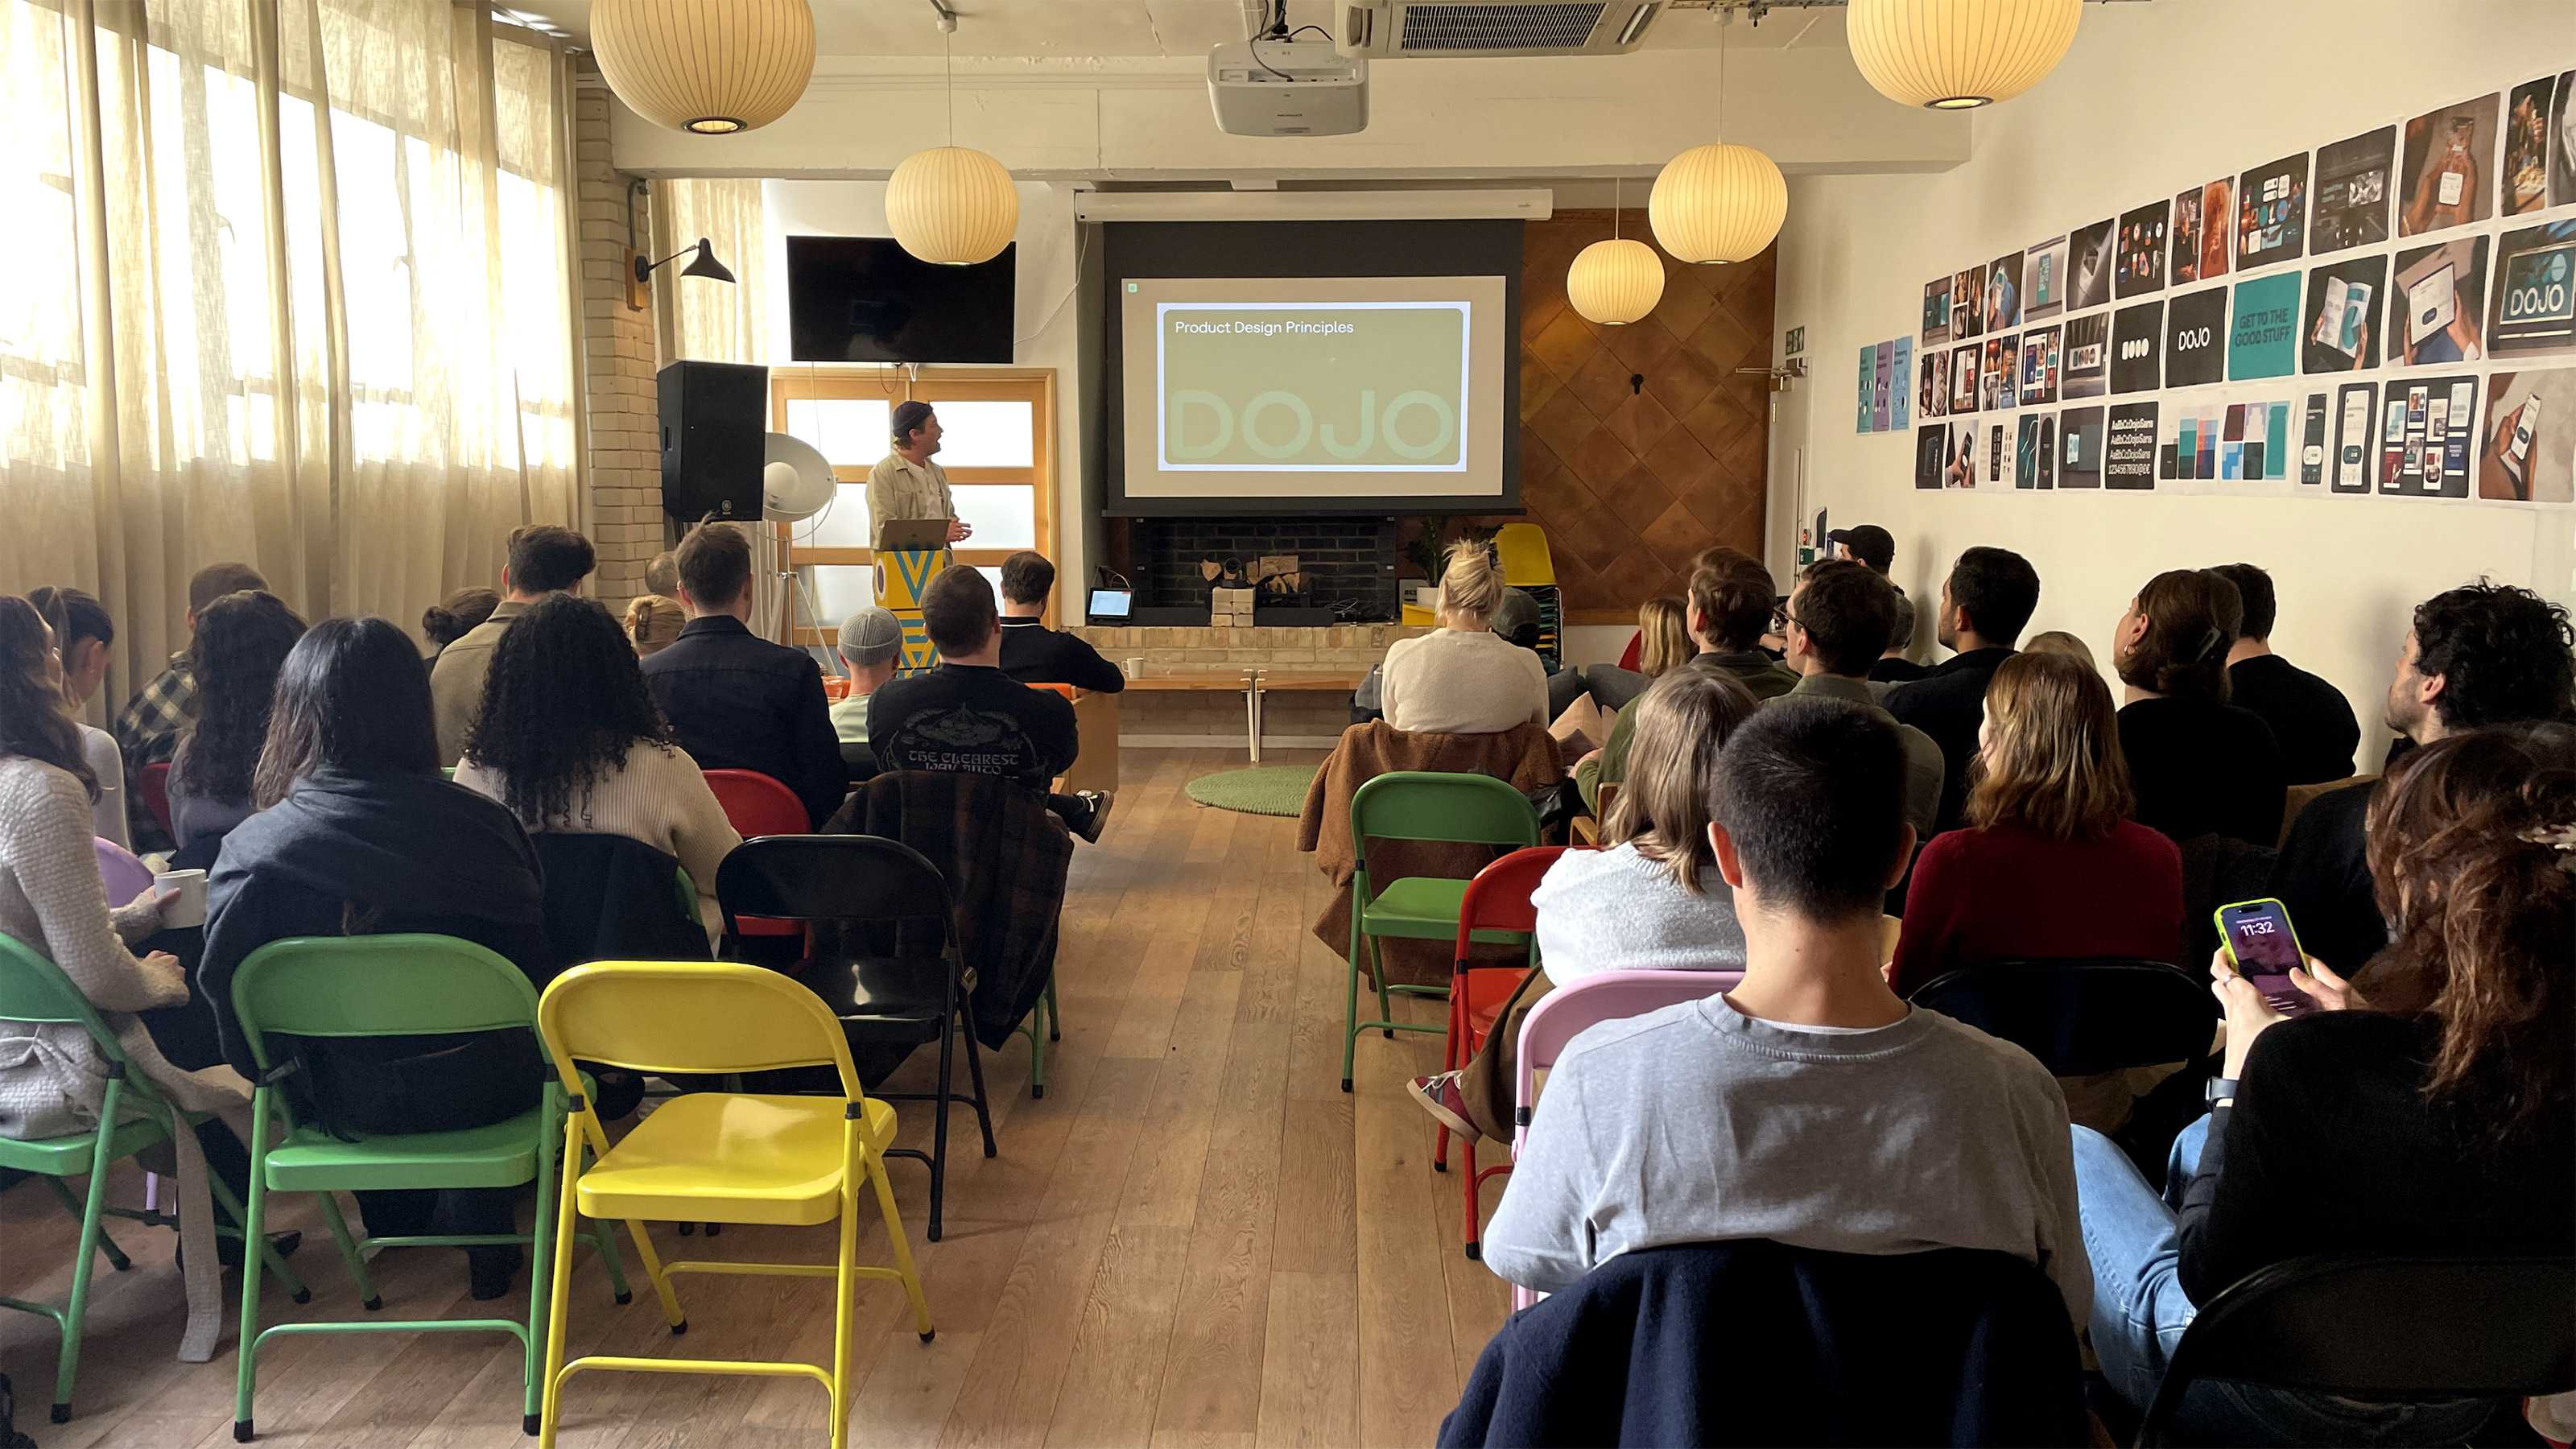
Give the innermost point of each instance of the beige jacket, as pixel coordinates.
(456, 680)
(901, 489)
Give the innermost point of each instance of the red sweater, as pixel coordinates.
(2005, 893)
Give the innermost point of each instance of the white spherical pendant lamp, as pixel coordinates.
(1615, 282)
(952, 205)
(709, 66)
(1718, 203)
(1951, 55)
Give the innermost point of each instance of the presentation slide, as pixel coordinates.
(1249, 388)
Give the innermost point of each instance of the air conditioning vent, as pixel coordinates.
(1427, 29)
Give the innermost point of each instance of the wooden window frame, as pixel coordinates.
(934, 385)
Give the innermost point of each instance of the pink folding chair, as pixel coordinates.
(121, 872)
(1607, 996)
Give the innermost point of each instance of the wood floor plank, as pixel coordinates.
(1310, 1362)
(1195, 1240)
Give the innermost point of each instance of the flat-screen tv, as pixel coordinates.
(866, 299)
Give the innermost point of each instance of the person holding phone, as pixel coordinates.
(2429, 1108)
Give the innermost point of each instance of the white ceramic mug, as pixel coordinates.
(188, 907)
(1136, 667)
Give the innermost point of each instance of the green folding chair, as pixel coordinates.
(33, 989)
(1421, 805)
(396, 985)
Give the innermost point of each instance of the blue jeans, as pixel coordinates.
(2140, 1312)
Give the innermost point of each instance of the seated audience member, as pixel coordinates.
(82, 633)
(569, 740)
(147, 729)
(1838, 619)
(653, 623)
(542, 560)
(1463, 678)
(1896, 664)
(736, 701)
(357, 835)
(2309, 718)
(2049, 863)
(53, 1079)
(2482, 654)
(967, 715)
(1866, 544)
(662, 575)
(1663, 645)
(1650, 900)
(1032, 653)
(1717, 556)
(242, 643)
(2199, 765)
(2058, 641)
(456, 616)
(2427, 1108)
(1731, 603)
(1823, 1112)
(870, 644)
(1985, 601)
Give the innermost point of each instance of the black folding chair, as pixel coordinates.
(914, 993)
(2082, 1016)
(2390, 1328)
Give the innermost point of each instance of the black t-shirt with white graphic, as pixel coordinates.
(972, 719)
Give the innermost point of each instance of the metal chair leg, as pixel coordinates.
(975, 1069)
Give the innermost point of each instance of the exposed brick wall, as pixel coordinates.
(1345, 558)
(624, 505)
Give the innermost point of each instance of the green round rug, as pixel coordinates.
(1259, 790)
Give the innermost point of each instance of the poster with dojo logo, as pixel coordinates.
(2136, 333)
(2196, 338)
(2534, 312)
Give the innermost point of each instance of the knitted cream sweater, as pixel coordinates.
(52, 1079)
(659, 797)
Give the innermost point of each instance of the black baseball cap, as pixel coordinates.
(1869, 543)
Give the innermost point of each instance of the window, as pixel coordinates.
(997, 445)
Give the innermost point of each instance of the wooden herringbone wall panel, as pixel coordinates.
(1631, 478)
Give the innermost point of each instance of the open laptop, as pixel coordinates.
(907, 535)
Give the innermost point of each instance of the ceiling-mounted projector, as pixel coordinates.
(1287, 88)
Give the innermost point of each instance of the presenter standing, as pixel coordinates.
(905, 485)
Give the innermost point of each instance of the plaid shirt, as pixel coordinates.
(147, 733)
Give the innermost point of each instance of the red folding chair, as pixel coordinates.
(1498, 899)
(759, 805)
(153, 784)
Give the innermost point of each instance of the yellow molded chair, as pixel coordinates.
(718, 1157)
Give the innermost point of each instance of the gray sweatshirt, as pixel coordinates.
(1697, 1123)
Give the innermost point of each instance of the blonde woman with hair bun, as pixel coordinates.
(1463, 678)
(654, 622)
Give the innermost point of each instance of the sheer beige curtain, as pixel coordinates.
(296, 292)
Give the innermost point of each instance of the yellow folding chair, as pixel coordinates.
(718, 1157)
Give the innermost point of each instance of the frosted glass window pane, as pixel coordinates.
(1004, 515)
(851, 432)
(837, 589)
(986, 434)
(843, 525)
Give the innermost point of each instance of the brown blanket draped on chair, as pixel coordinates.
(1524, 755)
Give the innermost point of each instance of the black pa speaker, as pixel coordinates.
(713, 415)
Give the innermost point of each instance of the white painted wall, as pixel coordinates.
(1043, 297)
(2154, 98)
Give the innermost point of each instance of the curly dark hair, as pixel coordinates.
(242, 642)
(2470, 857)
(564, 702)
(2504, 654)
(35, 720)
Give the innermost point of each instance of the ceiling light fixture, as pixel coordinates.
(1719, 202)
(712, 67)
(1618, 281)
(1954, 55)
(951, 204)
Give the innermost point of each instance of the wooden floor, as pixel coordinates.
(1195, 1239)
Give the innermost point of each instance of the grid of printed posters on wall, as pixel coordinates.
(2391, 314)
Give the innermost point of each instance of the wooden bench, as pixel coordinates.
(1252, 683)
